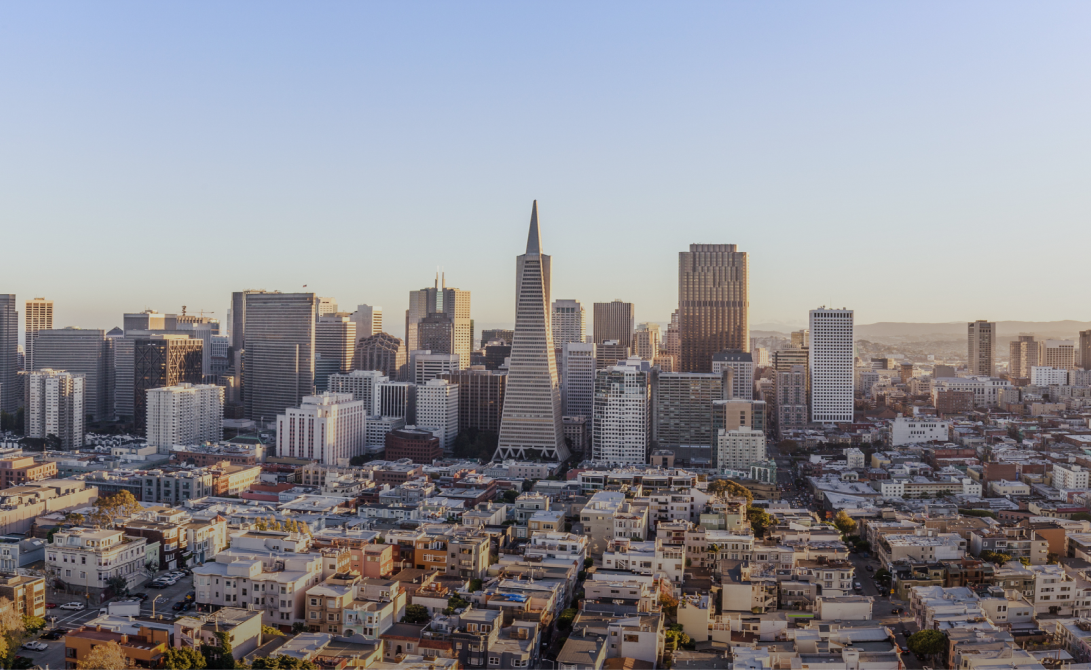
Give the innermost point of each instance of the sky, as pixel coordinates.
(912, 161)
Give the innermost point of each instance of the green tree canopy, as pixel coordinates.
(995, 557)
(927, 642)
(184, 658)
(722, 489)
(844, 523)
(759, 520)
(417, 614)
(282, 663)
(271, 631)
(108, 509)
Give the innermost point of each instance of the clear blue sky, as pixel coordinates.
(915, 162)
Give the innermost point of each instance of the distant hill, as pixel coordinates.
(1004, 329)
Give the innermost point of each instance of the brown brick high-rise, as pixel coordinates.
(713, 304)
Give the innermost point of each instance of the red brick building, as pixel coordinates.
(419, 446)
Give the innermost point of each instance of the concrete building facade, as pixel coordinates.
(713, 304)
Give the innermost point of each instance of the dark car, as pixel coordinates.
(186, 606)
(141, 596)
(192, 595)
(897, 610)
(55, 634)
(870, 569)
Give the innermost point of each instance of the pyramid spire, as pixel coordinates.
(534, 238)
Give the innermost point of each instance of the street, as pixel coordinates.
(53, 657)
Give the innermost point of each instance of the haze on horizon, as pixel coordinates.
(910, 162)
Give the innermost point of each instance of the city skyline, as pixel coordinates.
(821, 141)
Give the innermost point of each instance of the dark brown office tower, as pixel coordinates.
(614, 321)
(496, 355)
(436, 333)
(497, 334)
(713, 303)
(608, 353)
(480, 398)
(1085, 349)
(382, 352)
(163, 360)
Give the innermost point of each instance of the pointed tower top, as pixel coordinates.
(534, 238)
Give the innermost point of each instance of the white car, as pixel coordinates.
(73, 606)
(36, 646)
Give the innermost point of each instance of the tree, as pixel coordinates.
(844, 523)
(759, 520)
(675, 637)
(475, 585)
(33, 624)
(1024, 560)
(567, 617)
(219, 655)
(510, 495)
(74, 518)
(788, 447)
(1081, 516)
(119, 584)
(882, 576)
(416, 614)
(282, 662)
(927, 642)
(298, 627)
(669, 604)
(110, 508)
(184, 658)
(725, 488)
(271, 631)
(109, 656)
(994, 557)
(588, 562)
(455, 602)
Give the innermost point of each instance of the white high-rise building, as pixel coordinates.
(376, 427)
(578, 384)
(362, 385)
(425, 365)
(530, 425)
(369, 321)
(737, 449)
(741, 364)
(395, 399)
(1069, 476)
(1047, 376)
(621, 419)
(831, 362)
(185, 414)
(54, 406)
(328, 428)
(1052, 353)
(568, 322)
(437, 410)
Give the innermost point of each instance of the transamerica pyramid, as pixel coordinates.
(530, 426)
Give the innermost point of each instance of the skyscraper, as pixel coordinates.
(334, 345)
(1085, 349)
(9, 354)
(1059, 354)
(437, 410)
(832, 359)
(568, 322)
(54, 406)
(382, 352)
(646, 341)
(441, 316)
(185, 414)
(614, 321)
(620, 423)
(578, 388)
(791, 394)
(713, 304)
(39, 316)
(742, 365)
(480, 398)
(531, 423)
(85, 352)
(981, 350)
(1024, 356)
(163, 360)
(369, 320)
(279, 349)
(681, 406)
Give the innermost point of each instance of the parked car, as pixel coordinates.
(177, 607)
(50, 606)
(55, 634)
(186, 606)
(870, 568)
(898, 610)
(73, 606)
(141, 596)
(192, 595)
(36, 646)
(858, 586)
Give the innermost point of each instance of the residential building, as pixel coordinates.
(1048, 376)
(77, 351)
(325, 428)
(620, 419)
(185, 414)
(681, 406)
(1067, 477)
(142, 650)
(18, 470)
(981, 347)
(272, 581)
(280, 347)
(614, 321)
(418, 445)
(531, 423)
(906, 431)
(607, 516)
(54, 406)
(1023, 356)
(831, 360)
(1060, 354)
(361, 384)
(242, 626)
(437, 410)
(480, 397)
(646, 341)
(10, 398)
(382, 352)
(791, 395)
(170, 537)
(578, 382)
(741, 364)
(737, 449)
(172, 487)
(86, 560)
(567, 321)
(713, 304)
(26, 593)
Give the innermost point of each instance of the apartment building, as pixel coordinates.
(18, 470)
(185, 414)
(54, 401)
(607, 516)
(327, 428)
(26, 593)
(86, 559)
(274, 582)
(1019, 543)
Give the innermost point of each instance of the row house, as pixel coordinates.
(205, 539)
(347, 604)
(172, 539)
(1018, 543)
(645, 558)
(274, 582)
(668, 505)
(638, 636)
(86, 559)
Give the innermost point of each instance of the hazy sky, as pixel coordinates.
(913, 161)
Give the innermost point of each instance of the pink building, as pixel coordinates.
(374, 561)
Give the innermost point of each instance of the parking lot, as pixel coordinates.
(161, 599)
